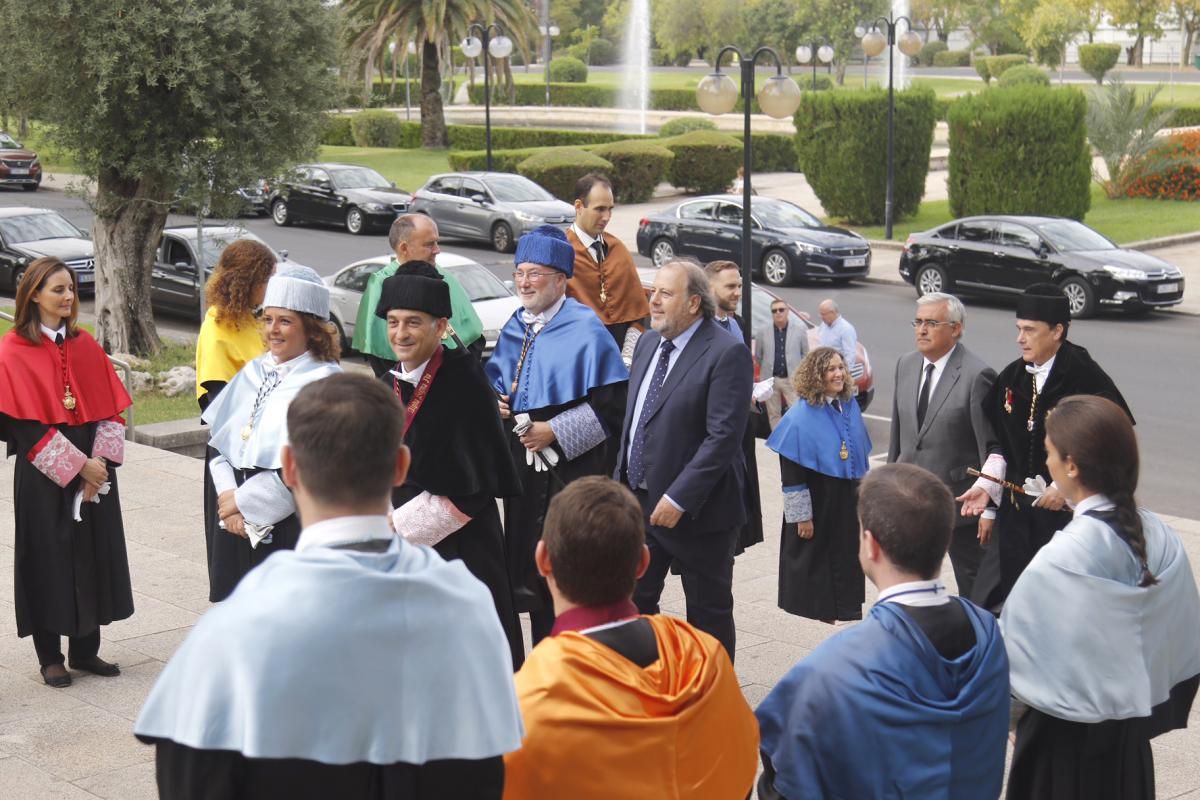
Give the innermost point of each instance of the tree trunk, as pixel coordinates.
(1189, 35)
(433, 118)
(130, 215)
(1136, 52)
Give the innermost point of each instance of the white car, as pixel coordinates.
(492, 299)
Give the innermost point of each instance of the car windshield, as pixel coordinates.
(33, 227)
(478, 283)
(8, 143)
(1069, 236)
(215, 244)
(515, 189)
(359, 178)
(783, 215)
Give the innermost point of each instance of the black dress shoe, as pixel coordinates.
(96, 666)
(56, 675)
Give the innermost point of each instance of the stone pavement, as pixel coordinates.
(77, 743)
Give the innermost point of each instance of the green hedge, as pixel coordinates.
(705, 161)
(1097, 59)
(980, 63)
(502, 160)
(568, 69)
(1024, 74)
(558, 170)
(821, 83)
(1020, 150)
(841, 142)
(996, 65)
(377, 128)
(941, 107)
(638, 167)
(930, 51)
(681, 125)
(586, 95)
(1184, 117)
(952, 58)
(773, 152)
(473, 137)
(336, 130)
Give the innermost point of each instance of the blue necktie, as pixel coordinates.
(637, 469)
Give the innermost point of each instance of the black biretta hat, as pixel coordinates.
(416, 286)
(1044, 302)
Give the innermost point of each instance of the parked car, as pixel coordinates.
(496, 207)
(787, 242)
(19, 166)
(492, 298)
(30, 233)
(1001, 255)
(349, 195)
(760, 306)
(174, 287)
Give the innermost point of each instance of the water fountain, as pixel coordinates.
(635, 87)
(900, 8)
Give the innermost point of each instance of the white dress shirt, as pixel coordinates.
(916, 593)
(1041, 372)
(1095, 502)
(53, 334)
(586, 239)
(939, 367)
(413, 377)
(539, 321)
(345, 530)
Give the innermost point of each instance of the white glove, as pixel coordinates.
(1035, 486)
(539, 459)
(763, 389)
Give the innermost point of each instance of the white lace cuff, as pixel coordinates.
(263, 500)
(577, 430)
(427, 519)
(109, 443)
(56, 458)
(995, 466)
(797, 503)
(631, 339)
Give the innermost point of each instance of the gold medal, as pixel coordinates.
(68, 400)
(246, 431)
(844, 453)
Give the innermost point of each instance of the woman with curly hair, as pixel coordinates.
(256, 514)
(823, 448)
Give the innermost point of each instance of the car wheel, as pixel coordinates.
(929, 279)
(777, 268)
(279, 213)
(354, 221)
(1080, 297)
(662, 251)
(30, 187)
(502, 237)
(16, 276)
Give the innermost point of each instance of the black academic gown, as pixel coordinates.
(1020, 529)
(459, 452)
(211, 390)
(230, 555)
(71, 577)
(750, 533)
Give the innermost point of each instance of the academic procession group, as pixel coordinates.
(366, 643)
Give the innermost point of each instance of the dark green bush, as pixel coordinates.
(997, 65)
(567, 69)
(682, 59)
(602, 53)
(659, 58)
(502, 160)
(705, 161)
(336, 130)
(807, 82)
(773, 152)
(930, 50)
(558, 169)
(941, 107)
(638, 166)
(841, 143)
(1097, 59)
(981, 66)
(1020, 150)
(1024, 74)
(1184, 116)
(561, 94)
(952, 58)
(474, 137)
(681, 125)
(377, 128)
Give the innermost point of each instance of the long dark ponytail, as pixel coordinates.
(1098, 436)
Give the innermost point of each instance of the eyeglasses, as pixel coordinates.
(534, 276)
(930, 323)
(778, 310)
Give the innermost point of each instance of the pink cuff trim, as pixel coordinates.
(56, 458)
(109, 443)
(428, 518)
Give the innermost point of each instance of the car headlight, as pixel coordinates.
(374, 207)
(1124, 273)
(36, 162)
(805, 247)
(524, 217)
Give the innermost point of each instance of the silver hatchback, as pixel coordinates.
(496, 207)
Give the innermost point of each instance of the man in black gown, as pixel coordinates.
(460, 457)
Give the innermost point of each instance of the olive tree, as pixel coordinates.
(144, 91)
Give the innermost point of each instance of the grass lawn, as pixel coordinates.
(53, 158)
(409, 169)
(1123, 221)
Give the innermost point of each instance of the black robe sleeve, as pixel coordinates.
(211, 390)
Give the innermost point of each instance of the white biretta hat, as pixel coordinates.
(298, 288)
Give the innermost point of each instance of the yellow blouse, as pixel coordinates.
(222, 350)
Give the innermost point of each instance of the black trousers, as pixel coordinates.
(705, 562)
(48, 644)
(966, 553)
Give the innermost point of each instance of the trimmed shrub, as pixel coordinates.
(705, 161)
(1020, 150)
(981, 67)
(998, 65)
(841, 143)
(1024, 74)
(474, 137)
(558, 169)
(659, 58)
(336, 130)
(773, 152)
(638, 167)
(807, 82)
(941, 107)
(561, 94)
(1097, 59)
(1184, 116)
(929, 52)
(602, 53)
(682, 59)
(376, 128)
(681, 125)
(952, 58)
(567, 69)
(502, 160)
(1171, 171)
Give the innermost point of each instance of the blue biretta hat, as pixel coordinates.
(546, 245)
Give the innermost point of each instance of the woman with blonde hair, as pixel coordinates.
(823, 448)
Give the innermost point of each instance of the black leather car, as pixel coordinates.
(1001, 255)
(787, 242)
(355, 197)
(30, 233)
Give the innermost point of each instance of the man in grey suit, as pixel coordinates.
(780, 348)
(938, 421)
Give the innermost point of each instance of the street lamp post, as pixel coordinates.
(814, 52)
(489, 41)
(548, 32)
(873, 44)
(779, 98)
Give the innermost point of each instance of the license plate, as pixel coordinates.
(86, 277)
(854, 262)
(1167, 288)
(16, 171)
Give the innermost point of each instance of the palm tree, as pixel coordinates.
(435, 25)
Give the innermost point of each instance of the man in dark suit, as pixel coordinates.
(681, 447)
(938, 419)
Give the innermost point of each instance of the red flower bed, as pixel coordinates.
(1171, 171)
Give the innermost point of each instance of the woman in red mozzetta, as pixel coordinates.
(60, 407)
